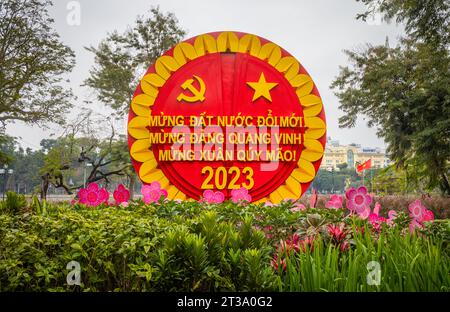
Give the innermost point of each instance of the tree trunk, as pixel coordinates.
(445, 184)
(131, 185)
(44, 186)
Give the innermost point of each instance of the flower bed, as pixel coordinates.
(217, 245)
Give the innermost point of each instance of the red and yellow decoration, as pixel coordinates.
(227, 80)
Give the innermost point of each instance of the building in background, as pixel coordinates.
(336, 154)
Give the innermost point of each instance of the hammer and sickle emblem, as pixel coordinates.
(197, 95)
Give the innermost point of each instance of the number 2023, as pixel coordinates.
(222, 176)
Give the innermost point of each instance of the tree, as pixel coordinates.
(427, 20)
(81, 144)
(32, 63)
(391, 180)
(121, 59)
(25, 164)
(404, 93)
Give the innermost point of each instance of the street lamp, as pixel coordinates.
(84, 179)
(4, 171)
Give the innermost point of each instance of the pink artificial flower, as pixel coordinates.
(240, 195)
(427, 216)
(365, 213)
(124, 204)
(313, 199)
(376, 209)
(417, 210)
(93, 195)
(392, 216)
(298, 207)
(152, 192)
(121, 194)
(358, 200)
(335, 202)
(413, 225)
(212, 197)
(376, 222)
(268, 204)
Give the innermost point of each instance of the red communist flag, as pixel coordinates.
(366, 165)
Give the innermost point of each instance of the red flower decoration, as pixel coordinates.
(211, 197)
(93, 195)
(121, 194)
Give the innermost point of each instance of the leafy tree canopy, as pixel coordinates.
(404, 91)
(121, 59)
(32, 63)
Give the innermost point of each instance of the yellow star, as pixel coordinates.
(262, 88)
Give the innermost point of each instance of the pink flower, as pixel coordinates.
(358, 200)
(240, 195)
(298, 207)
(306, 242)
(93, 195)
(365, 213)
(344, 246)
(121, 194)
(124, 204)
(212, 197)
(152, 192)
(335, 202)
(427, 216)
(376, 222)
(376, 209)
(276, 263)
(268, 204)
(413, 225)
(313, 199)
(419, 213)
(337, 232)
(417, 210)
(392, 215)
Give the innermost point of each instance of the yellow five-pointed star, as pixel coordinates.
(262, 88)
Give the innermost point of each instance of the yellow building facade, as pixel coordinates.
(352, 154)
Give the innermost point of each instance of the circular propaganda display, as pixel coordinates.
(225, 111)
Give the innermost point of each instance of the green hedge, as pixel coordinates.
(192, 247)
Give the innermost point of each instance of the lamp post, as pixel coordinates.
(4, 171)
(84, 178)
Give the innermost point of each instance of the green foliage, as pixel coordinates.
(189, 246)
(404, 91)
(336, 181)
(82, 145)
(40, 208)
(121, 59)
(13, 203)
(32, 62)
(427, 20)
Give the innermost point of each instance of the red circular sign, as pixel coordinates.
(223, 111)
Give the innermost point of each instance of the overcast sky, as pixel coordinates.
(315, 32)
